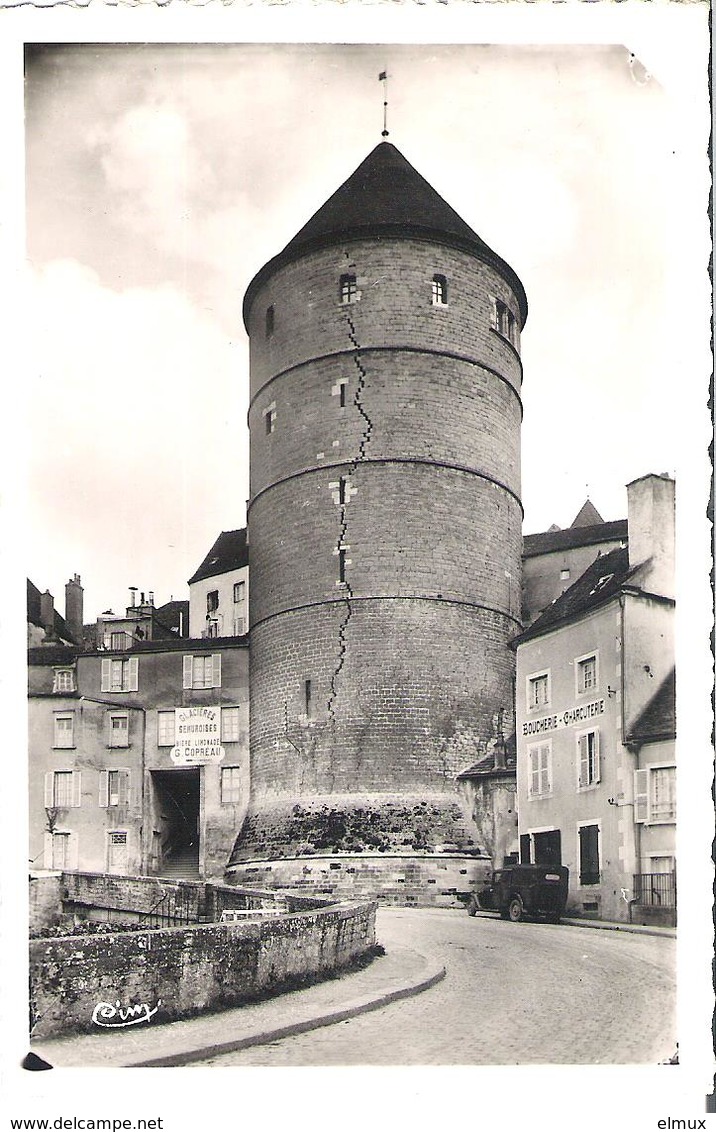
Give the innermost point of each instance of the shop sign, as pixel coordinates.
(197, 736)
(569, 718)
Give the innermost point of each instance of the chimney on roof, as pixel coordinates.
(652, 529)
(132, 597)
(47, 614)
(74, 595)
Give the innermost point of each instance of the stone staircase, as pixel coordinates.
(181, 865)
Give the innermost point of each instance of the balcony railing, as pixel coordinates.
(655, 890)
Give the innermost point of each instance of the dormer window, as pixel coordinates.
(349, 289)
(440, 291)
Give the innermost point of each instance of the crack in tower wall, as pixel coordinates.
(343, 536)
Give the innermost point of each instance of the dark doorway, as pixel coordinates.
(548, 847)
(175, 836)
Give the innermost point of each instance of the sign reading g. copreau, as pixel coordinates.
(568, 718)
(197, 736)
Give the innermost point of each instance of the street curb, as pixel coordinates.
(434, 975)
(608, 926)
(604, 925)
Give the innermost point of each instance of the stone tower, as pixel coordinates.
(384, 521)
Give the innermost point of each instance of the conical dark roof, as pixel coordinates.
(386, 196)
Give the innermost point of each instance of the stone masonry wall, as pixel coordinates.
(45, 901)
(438, 881)
(178, 972)
(385, 534)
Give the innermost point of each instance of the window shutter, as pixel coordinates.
(188, 664)
(583, 760)
(49, 792)
(133, 674)
(597, 757)
(76, 788)
(48, 850)
(73, 852)
(216, 674)
(124, 788)
(641, 795)
(106, 681)
(103, 788)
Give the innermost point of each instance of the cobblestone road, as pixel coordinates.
(514, 994)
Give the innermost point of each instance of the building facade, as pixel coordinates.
(139, 756)
(219, 589)
(385, 518)
(587, 670)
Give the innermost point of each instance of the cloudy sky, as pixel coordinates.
(159, 180)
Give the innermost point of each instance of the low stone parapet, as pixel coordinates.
(117, 979)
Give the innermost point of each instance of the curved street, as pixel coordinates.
(513, 994)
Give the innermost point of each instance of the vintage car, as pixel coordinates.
(518, 891)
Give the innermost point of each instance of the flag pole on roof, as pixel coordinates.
(383, 78)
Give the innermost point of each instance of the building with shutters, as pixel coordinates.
(139, 757)
(596, 769)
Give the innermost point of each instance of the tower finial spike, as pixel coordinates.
(383, 78)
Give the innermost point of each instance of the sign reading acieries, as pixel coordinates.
(197, 736)
(582, 714)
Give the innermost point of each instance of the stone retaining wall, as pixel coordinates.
(432, 880)
(97, 982)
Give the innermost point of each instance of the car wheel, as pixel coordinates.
(472, 906)
(516, 909)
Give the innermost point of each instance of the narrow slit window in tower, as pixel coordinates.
(270, 419)
(440, 291)
(307, 698)
(342, 484)
(342, 395)
(349, 289)
(269, 321)
(341, 565)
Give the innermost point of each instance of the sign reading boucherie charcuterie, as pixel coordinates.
(568, 718)
(197, 736)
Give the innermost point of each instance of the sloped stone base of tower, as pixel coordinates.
(398, 849)
(425, 880)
